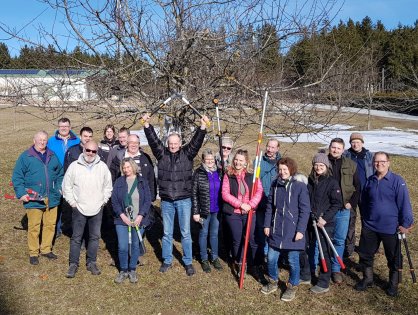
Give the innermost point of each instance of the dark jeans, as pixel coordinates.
(370, 242)
(79, 222)
(238, 225)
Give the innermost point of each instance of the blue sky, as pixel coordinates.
(23, 15)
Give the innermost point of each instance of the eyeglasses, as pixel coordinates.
(63, 126)
(226, 148)
(92, 151)
(380, 162)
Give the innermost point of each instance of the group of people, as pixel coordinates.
(293, 214)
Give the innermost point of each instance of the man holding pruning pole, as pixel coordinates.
(385, 209)
(175, 168)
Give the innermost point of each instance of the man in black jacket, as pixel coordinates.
(175, 169)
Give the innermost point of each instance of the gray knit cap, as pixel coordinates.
(320, 158)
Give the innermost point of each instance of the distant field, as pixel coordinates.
(43, 289)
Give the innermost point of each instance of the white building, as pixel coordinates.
(46, 85)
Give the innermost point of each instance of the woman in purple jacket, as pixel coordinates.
(205, 207)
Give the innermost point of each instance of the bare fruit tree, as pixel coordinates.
(143, 51)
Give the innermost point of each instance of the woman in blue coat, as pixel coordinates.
(130, 192)
(286, 219)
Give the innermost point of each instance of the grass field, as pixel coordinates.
(43, 289)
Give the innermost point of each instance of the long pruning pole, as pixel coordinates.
(255, 177)
(408, 255)
(215, 101)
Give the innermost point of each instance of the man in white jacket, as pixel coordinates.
(87, 186)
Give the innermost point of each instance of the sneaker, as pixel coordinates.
(71, 271)
(270, 287)
(290, 293)
(121, 277)
(217, 264)
(337, 277)
(305, 281)
(33, 260)
(50, 256)
(133, 276)
(190, 270)
(205, 266)
(318, 290)
(92, 267)
(164, 267)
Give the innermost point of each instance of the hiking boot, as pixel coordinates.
(367, 281)
(133, 276)
(270, 287)
(318, 290)
(121, 277)
(71, 271)
(217, 264)
(164, 267)
(392, 289)
(92, 267)
(50, 256)
(337, 277)
(305, 281)
(190, 270)
(205, 266)
(290, 293)
(33, 260)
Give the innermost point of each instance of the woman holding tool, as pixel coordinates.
(131, 200)
(325, 199)
(236, 192)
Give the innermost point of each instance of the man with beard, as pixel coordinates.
(87, 186)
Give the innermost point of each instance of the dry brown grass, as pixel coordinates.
(43, 289)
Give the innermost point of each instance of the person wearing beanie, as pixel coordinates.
(364, 160)
(344, 170)
(325, 199)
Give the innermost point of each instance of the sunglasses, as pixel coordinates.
(226, 148)
(92, 151)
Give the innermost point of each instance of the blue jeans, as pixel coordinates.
(211, 227)
(128, 263)
(342, 220)
(79, 222)
(168, 211)
(273, 271)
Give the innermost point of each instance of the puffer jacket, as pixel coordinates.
(175, 170)
(287, 213)
(201, 199)
(325, 197)
(31, 172)
(120, 190)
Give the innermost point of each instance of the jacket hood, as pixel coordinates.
(81, 161)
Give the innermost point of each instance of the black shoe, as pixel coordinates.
(164, 267)
(190, 270)
(71, 270)
(50, 256)
(92, 267)
(205, 266)
(33, 260)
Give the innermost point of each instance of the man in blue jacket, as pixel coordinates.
(385, 210)
(37, 179)
(59, 143)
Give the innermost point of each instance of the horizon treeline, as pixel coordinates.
(363, 56)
